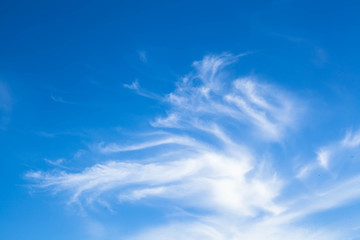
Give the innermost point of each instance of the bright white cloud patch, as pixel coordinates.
(323, 158)
(200, 160)
(208, 93)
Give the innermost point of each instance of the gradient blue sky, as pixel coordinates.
(180, 120)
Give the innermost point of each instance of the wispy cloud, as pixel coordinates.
(58, 162)
(58, 99)
(208, 93)
(135, 86)
(142, 56)
(216, 181)
(111, 148)
(6, 103)
(222, 229)
(332, 155)
(201, 160)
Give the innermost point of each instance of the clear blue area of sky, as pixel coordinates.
(64, 65)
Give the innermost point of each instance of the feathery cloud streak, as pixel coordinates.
(208, 93)
(206, 164)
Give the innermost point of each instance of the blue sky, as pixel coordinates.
(144, 120)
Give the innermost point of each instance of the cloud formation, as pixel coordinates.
(200, 160)
(203, 95)
(135, 86)
(335, 155)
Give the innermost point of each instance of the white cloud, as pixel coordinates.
(170, 121)
(219, 228)
(304, 171)
(329, 156)
(58, 162)
(179, 140)
(135, 86)
(336, 195)
(198, 162)
(205, 180)
(323, 157)
(79, 154)
(60, 99)
(209, 93)
(352, 139)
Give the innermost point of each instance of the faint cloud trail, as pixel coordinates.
(6, 103)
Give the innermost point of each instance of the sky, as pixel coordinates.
(186, 120)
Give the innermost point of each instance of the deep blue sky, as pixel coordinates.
(77, 76)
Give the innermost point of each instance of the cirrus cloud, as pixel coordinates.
(201, 160)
